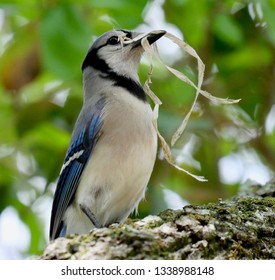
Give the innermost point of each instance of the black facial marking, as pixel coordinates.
(92, 59)
(128, 33)
(127, 83)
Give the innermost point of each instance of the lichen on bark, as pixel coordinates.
(240, 228)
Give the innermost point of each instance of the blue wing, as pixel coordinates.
(76, 158)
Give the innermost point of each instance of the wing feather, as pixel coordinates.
(77, 156)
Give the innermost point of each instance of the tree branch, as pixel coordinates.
(240, 228)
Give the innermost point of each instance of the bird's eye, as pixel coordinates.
(113, 40)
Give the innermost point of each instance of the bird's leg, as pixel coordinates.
(90, 215)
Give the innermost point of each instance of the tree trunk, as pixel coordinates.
(240, 228)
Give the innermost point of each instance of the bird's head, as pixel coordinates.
(118, 51)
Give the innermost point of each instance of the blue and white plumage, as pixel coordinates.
(113, 147)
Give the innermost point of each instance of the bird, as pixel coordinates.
(113, 147)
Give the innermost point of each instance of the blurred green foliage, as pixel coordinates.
(42, 45)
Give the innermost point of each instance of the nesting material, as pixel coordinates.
(151, 50)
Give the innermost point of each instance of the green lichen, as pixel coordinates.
(241, 228)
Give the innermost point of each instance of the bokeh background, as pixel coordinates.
(42, 45)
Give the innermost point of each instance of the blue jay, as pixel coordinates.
(113, 146)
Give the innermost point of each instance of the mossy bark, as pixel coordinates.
(240, 228)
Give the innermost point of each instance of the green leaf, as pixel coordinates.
(227, 29)
(64, 41)
(48, 146)
(250, 56)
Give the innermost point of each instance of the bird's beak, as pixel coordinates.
(152, 37)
